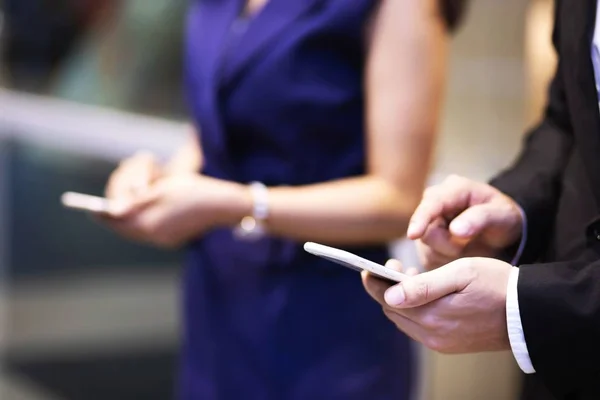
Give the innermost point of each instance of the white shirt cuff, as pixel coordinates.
(519, 253)
(515, 328)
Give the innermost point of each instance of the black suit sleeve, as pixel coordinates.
(534, 180)
(559, 302)
(560, 312)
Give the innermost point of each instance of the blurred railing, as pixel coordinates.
(84, 129)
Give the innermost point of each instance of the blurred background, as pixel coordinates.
(85, 315)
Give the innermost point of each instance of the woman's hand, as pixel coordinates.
(133, 175)
(178, 208)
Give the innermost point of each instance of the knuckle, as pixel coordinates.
(468, 269)
(465, 271)
(453, 179)
(435, 343)
(416, 292)
(485, 213)
(431, 322)
(430, 191)
(440, 247)
(427, 240)
(422, 291)
(432, 236)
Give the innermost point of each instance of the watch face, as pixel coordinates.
(249, 229)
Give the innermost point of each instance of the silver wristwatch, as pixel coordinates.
(252, 227)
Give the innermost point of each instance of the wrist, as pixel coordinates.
(252, 225)
(520, 225)
(173, 167)
(515, 250)
(236, 203)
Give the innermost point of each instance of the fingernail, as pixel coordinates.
(413, 228)
(394, 296)
(394, 264)
(460, 228)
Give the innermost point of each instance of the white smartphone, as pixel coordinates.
(354, 262)
(86, 202)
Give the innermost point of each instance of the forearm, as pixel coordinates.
(354, 211)
(360, 210)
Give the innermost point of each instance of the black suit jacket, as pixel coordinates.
(556, 180)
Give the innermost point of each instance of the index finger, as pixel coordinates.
(430, 209)
(132, 175)
(442, 201)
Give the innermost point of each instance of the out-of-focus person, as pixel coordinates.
(116, 65)
(38, 35)
(314, 120)
(544, 213)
